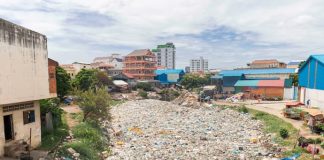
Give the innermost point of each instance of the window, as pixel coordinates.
(29, 116)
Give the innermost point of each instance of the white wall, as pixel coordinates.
(21, 130)
(288, 93)
(316, 97)
(23, 63)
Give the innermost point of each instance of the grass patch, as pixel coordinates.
(89, 141)
(117, 102)
(86, 152)
(274, 124)
(51, 139)
(77, 116)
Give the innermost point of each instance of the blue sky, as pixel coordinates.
(227, 33)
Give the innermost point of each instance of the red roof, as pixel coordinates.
(128, 75)
(271, 83)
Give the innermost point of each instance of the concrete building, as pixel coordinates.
(114, 60)
(25, 80)
(293, 64)
(140, 64)
(199, 65)
(74, 68)
(311, 81)
(113, 64)
(79, 66)
(165, 55)
(271, 63)
(52, 77)
(69, 68)
(187, 69)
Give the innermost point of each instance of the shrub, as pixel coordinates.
(322, 145)
(144, 86)
(86, 152)
(89, 134)
(243, 109)
(169, 94)
(143, 94)
(313, 141)
(283, 133)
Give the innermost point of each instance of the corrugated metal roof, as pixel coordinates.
(271, 83)
(246, 83)
(168, 71)
(319, 58)
(216, 77)
(259, 71)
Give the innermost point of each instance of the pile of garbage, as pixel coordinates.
(235, 98)
(187, 99)
(153, 129)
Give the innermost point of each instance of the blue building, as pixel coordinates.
(311, 81)
(169, 76)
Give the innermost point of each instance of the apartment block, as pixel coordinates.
(199, 65)
(140, 64)
(165, 55)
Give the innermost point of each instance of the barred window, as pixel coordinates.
(29, 116)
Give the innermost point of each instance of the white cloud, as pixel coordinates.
(289, 29)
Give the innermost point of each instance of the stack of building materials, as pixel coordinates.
(235, 98)
(187, 99)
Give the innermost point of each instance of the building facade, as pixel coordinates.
(311, 81)
(25, 80)
(140, 64)
(70, 70)
(271, 63)
(114, 60)
(74, 68)
(52, 77)
(165, 55)
(294, 64)
(199, 65)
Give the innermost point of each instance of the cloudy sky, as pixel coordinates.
(228, 33)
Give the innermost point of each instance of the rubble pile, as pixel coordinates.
(153, 129)
(187, 99)
(235, 98)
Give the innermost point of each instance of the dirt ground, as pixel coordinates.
(275, 108)
(69, 110)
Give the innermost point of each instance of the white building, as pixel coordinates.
(115, 61)
(165, 55)
(199, 65)
(24, 78)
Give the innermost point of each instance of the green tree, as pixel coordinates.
(63, 81)
(102, 79)
(85, 79)
(191, 81)
(90, 79)
(52, 105)
(95, 104)
(301, 64)
(294, 78)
